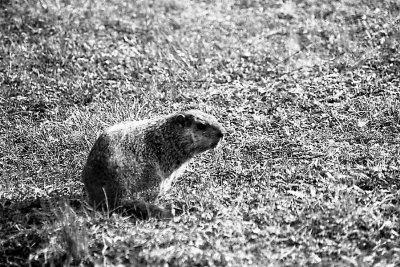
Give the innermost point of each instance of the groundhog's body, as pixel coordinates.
(140, 159)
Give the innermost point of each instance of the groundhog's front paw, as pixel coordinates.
(165, 214)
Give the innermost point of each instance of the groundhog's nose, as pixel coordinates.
(221, 133)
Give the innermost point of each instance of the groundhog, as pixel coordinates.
(134, 162)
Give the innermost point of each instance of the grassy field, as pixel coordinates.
(309, 92)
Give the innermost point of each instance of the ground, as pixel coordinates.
(309, 92)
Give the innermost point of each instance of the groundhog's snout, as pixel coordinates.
(220, 133)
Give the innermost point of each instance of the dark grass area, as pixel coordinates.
(309, 94)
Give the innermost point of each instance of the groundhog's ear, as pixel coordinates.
(181, 119)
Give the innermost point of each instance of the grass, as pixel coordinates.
(308, 91)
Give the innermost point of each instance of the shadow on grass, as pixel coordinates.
(55, 231)
(24, 227)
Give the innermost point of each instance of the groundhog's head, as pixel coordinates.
(201, 131)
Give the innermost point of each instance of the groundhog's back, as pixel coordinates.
(116, 161)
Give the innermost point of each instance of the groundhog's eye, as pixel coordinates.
(201, 126)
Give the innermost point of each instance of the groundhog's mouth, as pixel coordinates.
(213, 145)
